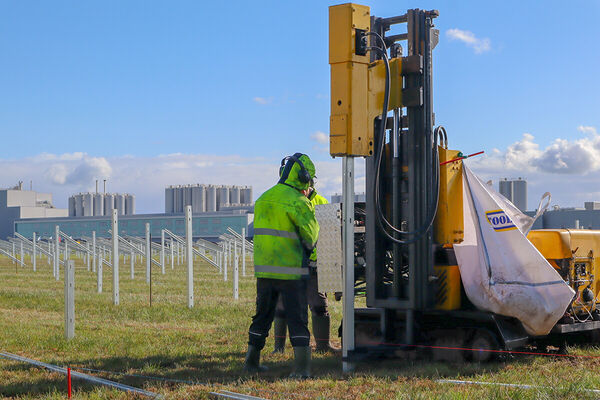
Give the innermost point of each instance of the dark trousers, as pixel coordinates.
(293, 295)
(317, 301)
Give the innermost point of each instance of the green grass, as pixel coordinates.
(207, 344)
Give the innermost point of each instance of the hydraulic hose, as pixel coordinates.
(432, 209)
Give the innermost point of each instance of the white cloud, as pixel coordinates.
(147, 177)
(320, 137)
(479, 45)
(562, 156)
(262, 100)
(567, 167)
(590, 130)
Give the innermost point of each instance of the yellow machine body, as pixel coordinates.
(447, 295)
(357, 85)
(575, 254)
(449, 228)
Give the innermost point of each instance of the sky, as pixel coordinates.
(149, 93)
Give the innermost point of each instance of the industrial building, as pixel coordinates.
(204, 225)
(587, 217)
(514, 190)
(99, 204)
(207, 198)
(16, 204)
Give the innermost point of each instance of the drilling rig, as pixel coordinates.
(400, 243)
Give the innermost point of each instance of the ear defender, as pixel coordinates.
(303, 174)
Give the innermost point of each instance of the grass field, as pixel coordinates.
(207, 344)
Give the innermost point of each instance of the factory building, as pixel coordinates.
(205, 225)
(587, 217)
(515, 191)
(207, 198)
(99, 204)
(17, 204)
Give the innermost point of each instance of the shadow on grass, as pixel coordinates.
(226, 368)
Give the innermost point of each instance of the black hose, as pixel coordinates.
(432, 210)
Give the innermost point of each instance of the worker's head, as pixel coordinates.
(297, 170)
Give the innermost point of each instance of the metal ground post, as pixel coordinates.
(132, 264)
(148, 253)
(225, 261)
(94, 251)
(115, 256)
(56, 252)
(243, 251)
(69, 299)
(99, 273)
(162, 251)
(348, 246)
(34, 253)
(236, 273)
(189, 255)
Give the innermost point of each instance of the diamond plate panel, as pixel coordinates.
(329, 247)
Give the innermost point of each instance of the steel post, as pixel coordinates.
(236, 273)
(189, 255)
(132, 264)
(148, 253)
(348, 246)
(69, 299)
(162, 251)
(99, 273)
(56, 252)
(22, 254)
(33, 253)
(87, 255)
(172, 258)
(243, 251)
(225, 262)
(115, 256)
(94, 251)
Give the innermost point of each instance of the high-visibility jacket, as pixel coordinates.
(285, 228)
(315, 200)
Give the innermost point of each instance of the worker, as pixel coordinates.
(321, 321)
(285, 234)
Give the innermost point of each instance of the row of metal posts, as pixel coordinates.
(97, 254)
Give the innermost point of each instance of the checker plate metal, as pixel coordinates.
(329, 247)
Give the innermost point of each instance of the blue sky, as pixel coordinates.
(112, 88)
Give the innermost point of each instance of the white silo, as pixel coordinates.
(98, 204)
(79, 205)
(129, 204)
(211, 198)
(169, 205)
(222, 196)
(247, 195)
(120, 203)
(178, 199)
(234, 195)
(199, 198)
(72, 206)
(88, 205)
(187, 196)
(109, 203)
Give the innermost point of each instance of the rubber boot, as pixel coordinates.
(252, 363)
(301, 363)
(279, 331)
(320, 326)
